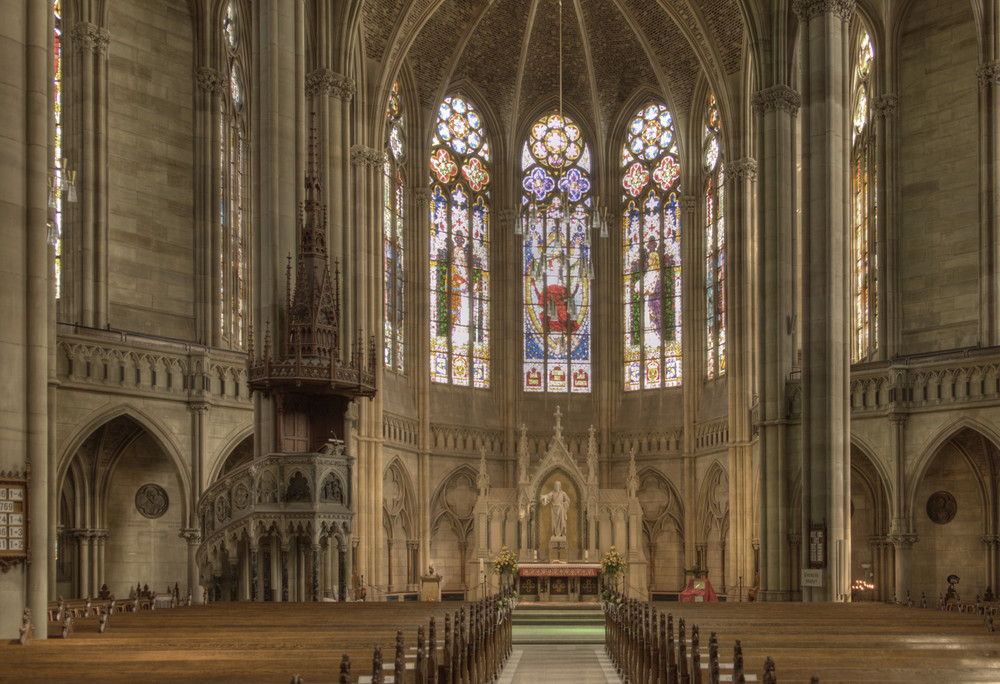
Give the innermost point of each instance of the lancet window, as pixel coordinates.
(392, 233)
(555, 226)
(651, 250)
(234, 151)
(715, 243)
(459, 246)
(864, 245)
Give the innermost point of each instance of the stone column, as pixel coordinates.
(192, 536)
(903, 545)
(212, 87)
(775, 107)
(97, 558)
(367, 163)
(83, 562)
(89, 81)
(331, 94)
(825, 286)
(795, 556)
(692, 366)
(990, 544)
(279, 164)
(741, 177)
(887, 227)
(988, 74)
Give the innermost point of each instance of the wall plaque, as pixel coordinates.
(13, 520)
(151, 500)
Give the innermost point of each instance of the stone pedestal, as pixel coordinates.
(430, 588)
(557, 550)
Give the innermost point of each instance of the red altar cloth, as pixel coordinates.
(698, 590)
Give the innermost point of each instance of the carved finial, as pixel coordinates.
(523, 458)
(632, 484)
(558, 427)
(484, 477)
(592, 455)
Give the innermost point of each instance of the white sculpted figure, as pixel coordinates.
(560, 504)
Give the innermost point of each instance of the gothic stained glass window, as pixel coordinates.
(715, 244)
(864, 299)
(555, 202)
(392, 232)
(234, 186)
(55, 232)
(459, 246)
(651, 251)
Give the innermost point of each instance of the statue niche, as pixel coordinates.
(545, 516)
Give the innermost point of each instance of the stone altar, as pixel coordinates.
(594, 519)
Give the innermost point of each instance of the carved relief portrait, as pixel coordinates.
(941, 507)
(151, 500)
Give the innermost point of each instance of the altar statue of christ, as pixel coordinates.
(560, 504)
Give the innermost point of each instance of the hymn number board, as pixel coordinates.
(13, 519)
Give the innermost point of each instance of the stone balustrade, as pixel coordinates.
(141, 365)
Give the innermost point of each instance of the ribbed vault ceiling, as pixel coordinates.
(508, 50)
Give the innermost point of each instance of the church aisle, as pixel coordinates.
(555, 664)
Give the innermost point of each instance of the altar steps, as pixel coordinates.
(558, 624)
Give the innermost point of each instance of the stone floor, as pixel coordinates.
(558, 663)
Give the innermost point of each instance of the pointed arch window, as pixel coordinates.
(234, 196)
(556, 202)
(459, 246)
(715, 243)
(392, 233)
(56, 181)
(651, 250)
(864, 256)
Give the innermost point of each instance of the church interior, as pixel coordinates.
(318, 300)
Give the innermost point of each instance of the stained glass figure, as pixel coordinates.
(55, 231)
(651, 251)
(715, 243)
(555, 200)
(393, 234)
(864, 299)
(234, 180)
(459, 246)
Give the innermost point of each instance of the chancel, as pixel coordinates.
(302, 299)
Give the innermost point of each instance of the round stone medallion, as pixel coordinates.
(151, 500)
(942, 507)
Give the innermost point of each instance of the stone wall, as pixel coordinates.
(140, 548)
(939, 232)
(151, 216)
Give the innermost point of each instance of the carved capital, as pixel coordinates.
(774, 98)
(988, 74)
(323, 81)
(211, 80)
(807, 9)
(198, 408)
(898, 418)
(90, 37)
(366, 156)
(885, 105)
(689, 203)
(192, 535)
(743, 169)
(903, 540)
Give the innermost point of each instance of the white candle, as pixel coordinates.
(482, 570)
(586, 554)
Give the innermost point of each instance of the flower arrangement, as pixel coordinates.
(505, 563)
(613, 563)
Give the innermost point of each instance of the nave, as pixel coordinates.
(269, 642)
